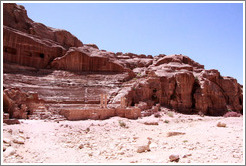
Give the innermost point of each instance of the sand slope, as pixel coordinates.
(96, 141)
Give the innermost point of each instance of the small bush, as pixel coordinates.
(166, 121)
(229, 110)
(122, 124)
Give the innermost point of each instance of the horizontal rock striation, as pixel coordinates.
(85, 59)
(69, 75)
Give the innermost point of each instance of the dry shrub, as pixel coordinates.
(122, 124)
(166, 121)
(170, 114)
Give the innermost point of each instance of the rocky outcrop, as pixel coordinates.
(178, 82)
(70, 75)
(29, 43)
(86, 59)
(18, 104)
(15, 16)
(27, 50)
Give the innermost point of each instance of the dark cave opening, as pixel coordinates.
(240, 101)
(196, 86)
(41, 55)
(154, 96)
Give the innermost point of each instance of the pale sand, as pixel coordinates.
(108, 142)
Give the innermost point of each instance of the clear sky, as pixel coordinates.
(209, 33)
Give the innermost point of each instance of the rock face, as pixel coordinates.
(29, 43)
(15, 16)
(86, 59)
(67, 74)
(18, 104)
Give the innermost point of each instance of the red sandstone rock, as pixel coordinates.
(15, 16)
(232, 114)
(174, 81)
(11, 121)
(82, 59)
(29, 43)
(19, 104)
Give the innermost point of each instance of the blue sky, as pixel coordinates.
(209, 33)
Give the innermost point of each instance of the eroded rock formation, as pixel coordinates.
(18, 104)
(67, 74)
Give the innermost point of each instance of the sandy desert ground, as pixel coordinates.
(116, 140)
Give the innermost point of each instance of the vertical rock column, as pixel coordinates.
(103, 101)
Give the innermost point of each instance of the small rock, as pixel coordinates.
(174, 133)
(121, 153)
(7, 141)
(19, 140)
(186, 155)
(221, 124)
(174, 157)
(157, 115)
(151, 123)
(144, 148)
(9, 151)
(10, 131)
(81, 146)
(153, 145)
(4, 148)
(22, 136)
(21, 131)
(133, 161)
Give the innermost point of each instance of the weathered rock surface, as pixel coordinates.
(67, 74)
(18, 104)
(15, 16)
(87, 59)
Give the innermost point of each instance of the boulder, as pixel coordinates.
(232, 114)
(174, 157)
(9, 151)
(18, 104)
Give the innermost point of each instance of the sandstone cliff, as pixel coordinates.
(67, 73)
